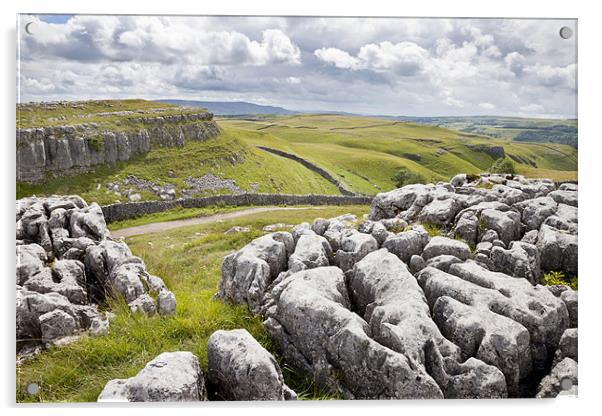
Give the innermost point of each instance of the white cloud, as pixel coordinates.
(338, 58)
(367, 65)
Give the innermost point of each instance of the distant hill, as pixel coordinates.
(514, 128)
(232, 108)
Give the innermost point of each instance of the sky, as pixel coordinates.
(381, 66)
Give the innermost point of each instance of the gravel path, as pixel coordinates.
(170, 225)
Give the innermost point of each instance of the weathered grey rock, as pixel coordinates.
(565, 197)
(440, 211)
(395, 225)
(315, 330)
(502, 321)
(310, 252)
(354, 247)
(558, 250)
(56, 324)
(390, 300)
(520, 260)
(88, 222)
(408, 243)
(237, 229)
(439, 245)
(443, 261)
(417, 263)
(530, 237)
(506, 224)
(31, 259)
(552, 384)
(484, 247)
(143, 304)
(166, 303)
(301, 229)
(380, 233)
(247, 273)
(567, 186)
(535, 211)
(241, 369)
(498, 243)
(571, 300)
(30, 306)
(320, 225)
(567, 347)
(458, 180)
(169, 377)
(489, 236)
(69, 150)
(467, 226)
(508, 195)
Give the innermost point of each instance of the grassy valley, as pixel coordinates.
(363, 153)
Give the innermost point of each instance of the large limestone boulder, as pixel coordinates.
(390, 300)
(558, 250)
(169, 377)
(354, 247)
(520, 260)
(241, 369)
(439, 245)
(247, 273)
(408, 243)
(518, 325)
(315, 329)
(310, 252)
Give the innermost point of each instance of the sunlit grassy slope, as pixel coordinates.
(365, 152)
(189, 260)
(362, 152)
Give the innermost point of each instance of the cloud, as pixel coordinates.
(155, 39)
(364, 65)
(404, 58)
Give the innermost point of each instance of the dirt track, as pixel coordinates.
(170, 225)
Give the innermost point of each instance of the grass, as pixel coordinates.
(226, 157)
(553, 278)
(189, 260)
(96, 111)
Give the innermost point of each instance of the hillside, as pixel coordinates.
(358, 154)
(514, 128)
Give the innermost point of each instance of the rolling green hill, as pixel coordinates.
(520, 129)
(362, 153)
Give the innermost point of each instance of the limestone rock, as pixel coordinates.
(169, 377)
(552, 384)
(241, 369)
(439, 245)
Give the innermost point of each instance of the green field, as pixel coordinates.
(363, 153)
(520, 129)
(189, 260)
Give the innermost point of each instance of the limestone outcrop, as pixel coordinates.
(67, 265)
(73, 149)
(383, 308)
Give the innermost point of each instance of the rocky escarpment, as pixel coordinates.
(384, 309)
(67, 265)
(73, 149)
